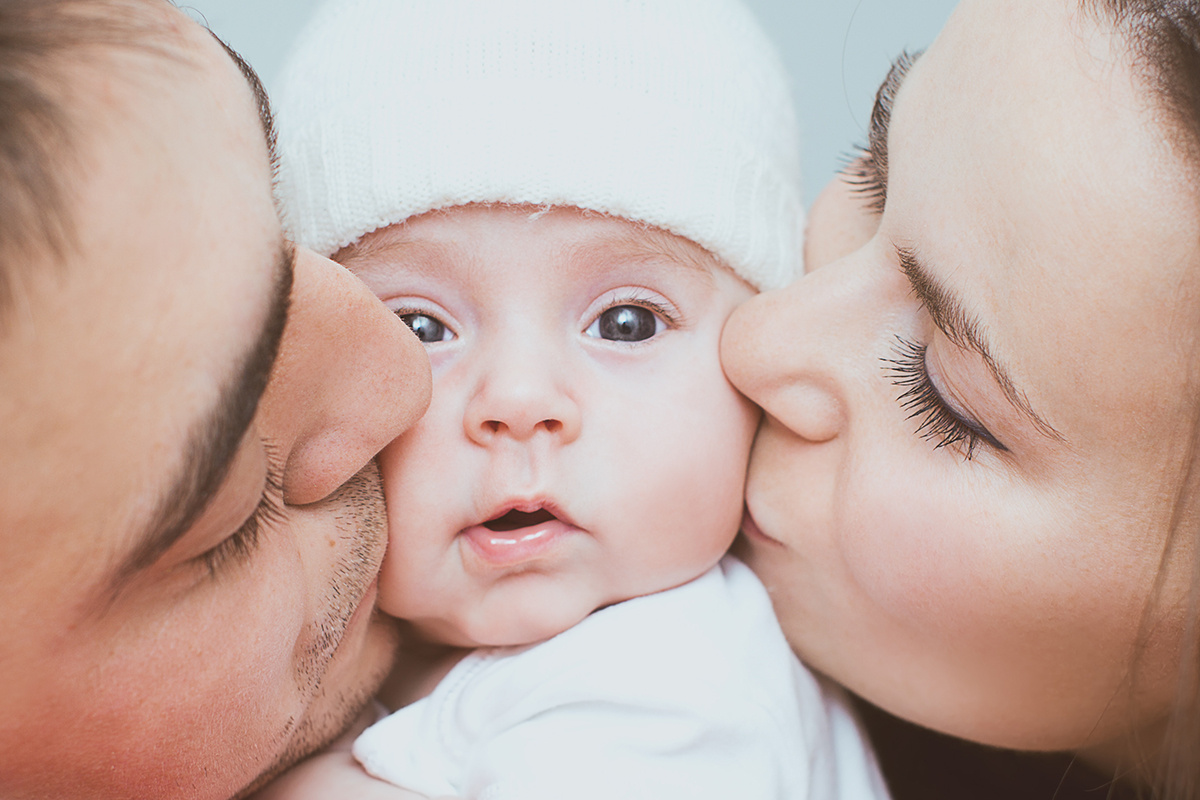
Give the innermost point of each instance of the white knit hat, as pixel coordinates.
(674, 113)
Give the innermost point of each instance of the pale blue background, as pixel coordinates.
(837, 51)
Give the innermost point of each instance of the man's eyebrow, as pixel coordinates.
(214, 439)
(964, 330)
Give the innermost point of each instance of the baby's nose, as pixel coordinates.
(519, 401)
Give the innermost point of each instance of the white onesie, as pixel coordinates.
(689, 693)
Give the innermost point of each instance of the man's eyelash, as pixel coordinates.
(868, 172)
(241, 544)
(940, 423)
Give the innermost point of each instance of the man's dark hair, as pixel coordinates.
(39, 39)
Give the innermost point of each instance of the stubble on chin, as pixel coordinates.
(357, 512)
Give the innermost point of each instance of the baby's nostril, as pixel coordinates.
(552, 425)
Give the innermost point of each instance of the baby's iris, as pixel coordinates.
(428, 329)
(627, 324)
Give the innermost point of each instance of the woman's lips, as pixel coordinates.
(509, 548)
(753, 532)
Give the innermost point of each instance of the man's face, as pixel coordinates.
(186, 589)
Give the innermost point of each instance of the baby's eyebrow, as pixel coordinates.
(650, 247)
(418, 255)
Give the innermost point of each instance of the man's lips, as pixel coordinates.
(517, 536)
(364, 609)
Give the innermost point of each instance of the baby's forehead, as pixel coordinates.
(592, 241)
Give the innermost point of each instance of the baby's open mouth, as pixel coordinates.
(515, 520)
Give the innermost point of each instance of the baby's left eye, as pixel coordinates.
(626, 324)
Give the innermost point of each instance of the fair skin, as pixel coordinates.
(593, 463)
(575, 371)
(153, 660)
(1008, 585)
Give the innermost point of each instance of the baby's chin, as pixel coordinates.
(502, 628)
(521, 608)
(524, 621)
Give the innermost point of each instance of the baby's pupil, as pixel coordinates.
(425, 327)
(627, 324)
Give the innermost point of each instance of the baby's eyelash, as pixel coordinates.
(668, 314)
(940, 423)
(241, 544)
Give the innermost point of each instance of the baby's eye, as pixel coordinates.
(428, 329)
(626, 324)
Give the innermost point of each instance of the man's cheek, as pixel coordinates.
(225, 694)
(203, 696)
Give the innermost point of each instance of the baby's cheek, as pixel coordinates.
(391, 585)
(412, 501)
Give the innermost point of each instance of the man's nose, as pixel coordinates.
(350, 377)
(522, 390)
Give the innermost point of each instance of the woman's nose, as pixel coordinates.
(799, 352)
(522, 392)
(350, 377)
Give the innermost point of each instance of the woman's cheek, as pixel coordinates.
(926, 554)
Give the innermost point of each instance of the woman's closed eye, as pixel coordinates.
(940, 422)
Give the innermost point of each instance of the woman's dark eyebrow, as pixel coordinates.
(964, 330)
(869, 173)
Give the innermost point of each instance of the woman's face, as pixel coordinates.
(977, 420)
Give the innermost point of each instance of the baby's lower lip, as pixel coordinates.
(511, 548)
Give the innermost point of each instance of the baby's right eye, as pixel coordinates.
(428, 329)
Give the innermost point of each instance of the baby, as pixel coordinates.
(564, 200)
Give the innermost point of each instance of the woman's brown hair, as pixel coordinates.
(1164, 40)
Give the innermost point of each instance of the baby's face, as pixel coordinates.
(583, 445)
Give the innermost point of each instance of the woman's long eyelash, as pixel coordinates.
(239, 546)
(939, 424)
(862, 173)
(868, 172)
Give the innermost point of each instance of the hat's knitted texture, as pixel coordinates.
(674, 113)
